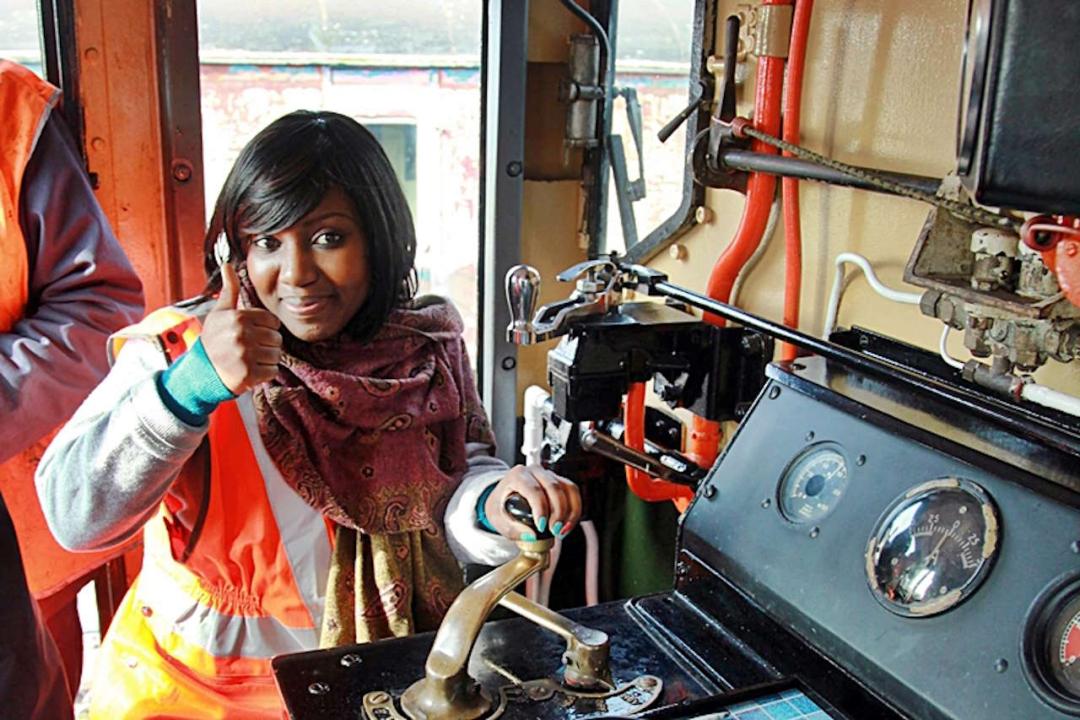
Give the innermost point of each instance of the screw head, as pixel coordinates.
(514, 168)
(774, 392)
(182, 171)
(351, 659)
(1001, 665)
(508, 363)
(809, 436)
(709, 492)
(861, 460)
(318, 688)
(766, 503)
(814, 532)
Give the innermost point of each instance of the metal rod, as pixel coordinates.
(977, 403)
(750, 161)
(603, 444)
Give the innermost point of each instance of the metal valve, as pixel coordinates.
(596, 290)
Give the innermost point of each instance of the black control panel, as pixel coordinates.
(894, 537)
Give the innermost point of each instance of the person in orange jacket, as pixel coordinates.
(65, 284)
(306, 453)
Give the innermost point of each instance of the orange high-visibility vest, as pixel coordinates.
(194, 635)
(25, 103)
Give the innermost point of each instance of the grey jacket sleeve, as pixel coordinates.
(469, 542)
(107, 469)
(82, 288)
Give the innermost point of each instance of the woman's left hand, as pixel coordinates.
(555, 502)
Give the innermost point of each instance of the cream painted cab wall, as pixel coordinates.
(881, 89)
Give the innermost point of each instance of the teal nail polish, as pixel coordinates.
(528, 537)
(541, 523)
(556, 529)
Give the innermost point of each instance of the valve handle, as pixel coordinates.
(522, 291)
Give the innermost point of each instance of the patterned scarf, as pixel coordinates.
(373, 434)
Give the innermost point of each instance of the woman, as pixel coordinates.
(305, 453)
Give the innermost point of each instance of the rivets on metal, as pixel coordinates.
(814, 532)
(513, 168)
(351, 659)
(809, 436)
(1001, 665)
(766, 503)
(709, 492)
(774, 392)
(1075, 546)
(318, 688)
(508, 363)
(182, 170)
(861, 460)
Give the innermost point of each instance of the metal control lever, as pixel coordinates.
(596, 290)
(447, 692)
(666, 466)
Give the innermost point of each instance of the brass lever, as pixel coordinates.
(447, 692)
(587, 650)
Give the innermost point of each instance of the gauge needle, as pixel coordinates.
(931, 559)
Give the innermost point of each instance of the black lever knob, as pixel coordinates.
(519, 509)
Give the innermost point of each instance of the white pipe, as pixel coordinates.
(942, 346)
(532, 435)
(1043, 395)
(871, 277)
(592, 562)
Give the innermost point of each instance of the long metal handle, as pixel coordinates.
(675, 470)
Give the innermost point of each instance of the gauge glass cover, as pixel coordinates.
(813, 483)
(932, 547)
(1051, 647)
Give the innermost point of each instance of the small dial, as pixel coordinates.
(1051, 648)
(813, 483)
(933, 547)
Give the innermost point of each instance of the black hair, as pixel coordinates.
(284, 172)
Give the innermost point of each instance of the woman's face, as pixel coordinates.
(314, 275)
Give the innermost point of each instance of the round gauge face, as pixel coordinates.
(1051, 647)
(813, 483)
(933, 547)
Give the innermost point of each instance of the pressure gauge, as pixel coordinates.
(932, 547)
(813, 483)
(1051, 645)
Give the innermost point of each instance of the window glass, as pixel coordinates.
(20, 34)
(409, 71)
(652, 71)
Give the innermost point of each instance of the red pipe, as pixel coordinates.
(704, 438)
(642, 484)
(792, 102)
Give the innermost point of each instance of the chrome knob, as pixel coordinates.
(522, 290)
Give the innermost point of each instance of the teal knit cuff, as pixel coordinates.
(191, 387)
(481, 516)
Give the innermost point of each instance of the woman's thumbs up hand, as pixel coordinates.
(243, 344)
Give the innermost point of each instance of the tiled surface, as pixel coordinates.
(788, 705)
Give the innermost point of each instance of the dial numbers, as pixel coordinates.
(932, 548)
(813, 483)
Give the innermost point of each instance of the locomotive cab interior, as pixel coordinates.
(790, 288)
